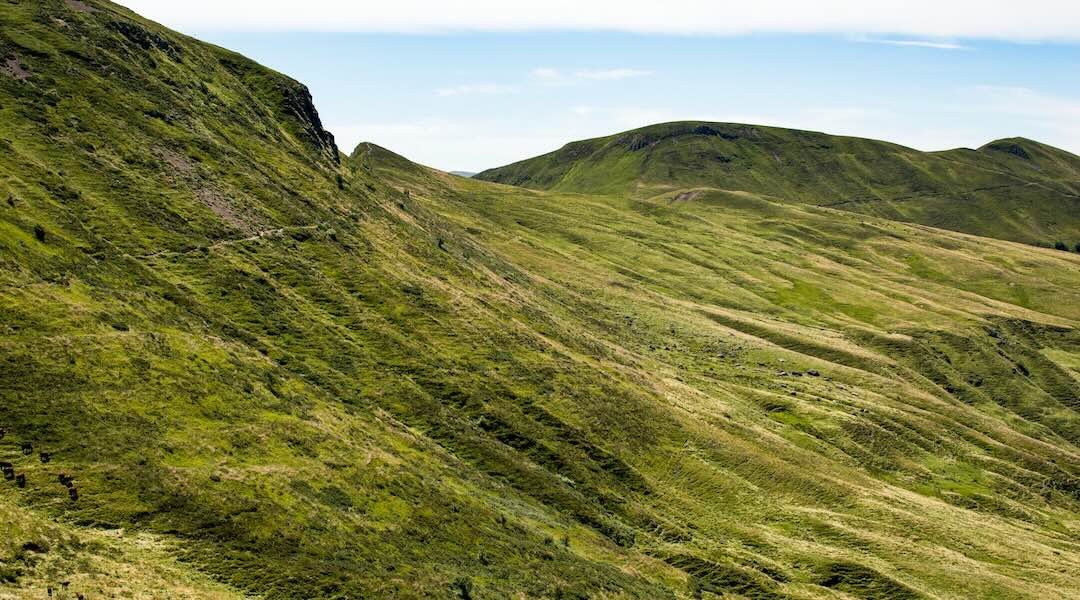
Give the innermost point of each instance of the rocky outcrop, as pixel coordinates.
(297, 101)
(1012, 148)
(640, 140)
(145, 39)
(288, 98)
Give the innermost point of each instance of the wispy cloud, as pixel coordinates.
(471, 89)
(937, 45)
(546, 75)
(918, 19)
(1029, 102)
(612, 74)
(549, 76)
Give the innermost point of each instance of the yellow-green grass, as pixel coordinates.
(290, 374)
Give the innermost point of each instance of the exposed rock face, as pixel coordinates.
(145, 39)
(641, 140)
(14, 68)
(290, 98)
(1010, 148)
(80, 6)
(298, 102)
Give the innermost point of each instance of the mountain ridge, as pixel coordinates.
(234, 365)
(1012, 188)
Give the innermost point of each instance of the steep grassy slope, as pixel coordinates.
(1013, 189)
(844, 391)
(273, 372)
(219, 338)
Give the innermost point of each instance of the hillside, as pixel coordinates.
(1014, 189)
(271, 370)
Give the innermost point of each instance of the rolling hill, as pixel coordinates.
(272, 370)
(1014, 189)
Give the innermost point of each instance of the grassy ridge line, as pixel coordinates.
(1014, 189)
(428, 386)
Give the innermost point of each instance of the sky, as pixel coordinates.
(474, 84)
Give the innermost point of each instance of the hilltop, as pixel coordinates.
(1014, 189)
(271, 370)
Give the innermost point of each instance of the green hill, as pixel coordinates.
(1013, 189)
(274, 371)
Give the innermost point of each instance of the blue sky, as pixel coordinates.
(470, 99)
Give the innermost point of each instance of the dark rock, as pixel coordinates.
(20, 480)
(813, 373)
(73, 494)
(45, 457)
(642, 140)
(297, 100)
(145, 39)
(27, 448)
(1010, 148)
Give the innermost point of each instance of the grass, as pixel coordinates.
(401, 383)
(1015, 189)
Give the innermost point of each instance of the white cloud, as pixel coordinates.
(937, 45)
(1026, 101)
(923, 19)
(548, 76)
(612, 74)
(471, 89)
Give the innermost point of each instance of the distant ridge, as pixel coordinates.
(237, 364)
(1015, 189)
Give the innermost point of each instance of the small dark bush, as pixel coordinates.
(1078, 247)
(35, 547)
(464, 588)
(39, 233)
(1061, 246)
